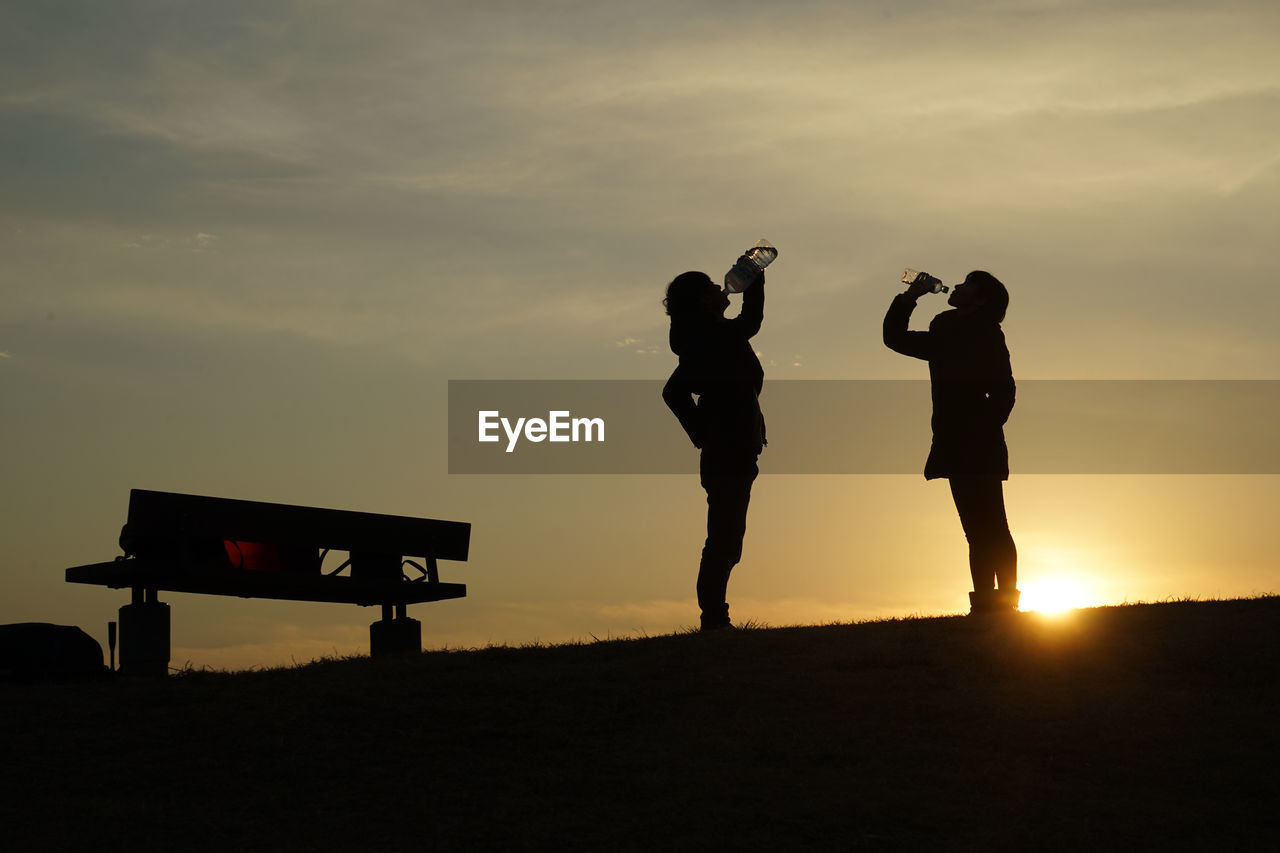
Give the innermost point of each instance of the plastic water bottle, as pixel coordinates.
(935, 284)
(744, 272)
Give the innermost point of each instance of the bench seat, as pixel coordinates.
(286, 586)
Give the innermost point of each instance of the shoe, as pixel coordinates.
(993, 601)
(1007, 600)
(716, 620)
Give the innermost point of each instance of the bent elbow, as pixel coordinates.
(672, 394)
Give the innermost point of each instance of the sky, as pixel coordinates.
(245, 246)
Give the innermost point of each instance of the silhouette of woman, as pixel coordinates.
(718, 365)
(973, 393)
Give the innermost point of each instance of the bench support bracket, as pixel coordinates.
(144, 635)
(398, 636)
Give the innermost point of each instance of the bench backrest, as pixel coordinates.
(164, 515)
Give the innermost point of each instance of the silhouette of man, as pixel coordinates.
(973, 392)
(719, 367)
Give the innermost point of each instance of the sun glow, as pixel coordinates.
(1054, 595)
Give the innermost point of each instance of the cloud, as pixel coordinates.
(76, 168)
(472, 181)
(637, 346)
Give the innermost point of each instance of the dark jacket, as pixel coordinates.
(718, 364)
(972, 385)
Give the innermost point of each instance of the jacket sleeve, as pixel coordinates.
(896, 336)
(748, 321)
(678, 395)
(1000, 398)
(1001, 389)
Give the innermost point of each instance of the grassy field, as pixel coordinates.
(1136, 727)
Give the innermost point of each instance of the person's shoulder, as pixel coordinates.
(684, 336)
(678, 339)
(945, 319)
(988, 329)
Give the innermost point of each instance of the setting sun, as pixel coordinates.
(1053, 595)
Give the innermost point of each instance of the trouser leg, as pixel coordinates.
(728, 485)
(993, 556)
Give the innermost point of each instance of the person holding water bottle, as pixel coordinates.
(973, 393)
(719, 366)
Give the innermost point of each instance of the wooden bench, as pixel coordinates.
(250, 549)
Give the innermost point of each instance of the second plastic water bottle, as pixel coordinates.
(935, 284)
(744, 272)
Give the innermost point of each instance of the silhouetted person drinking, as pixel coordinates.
(973, 392)
(719, 367)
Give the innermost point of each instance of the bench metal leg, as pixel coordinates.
(144, 636)
(398, 636)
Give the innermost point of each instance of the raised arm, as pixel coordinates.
(896, 335)
(752, 314)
